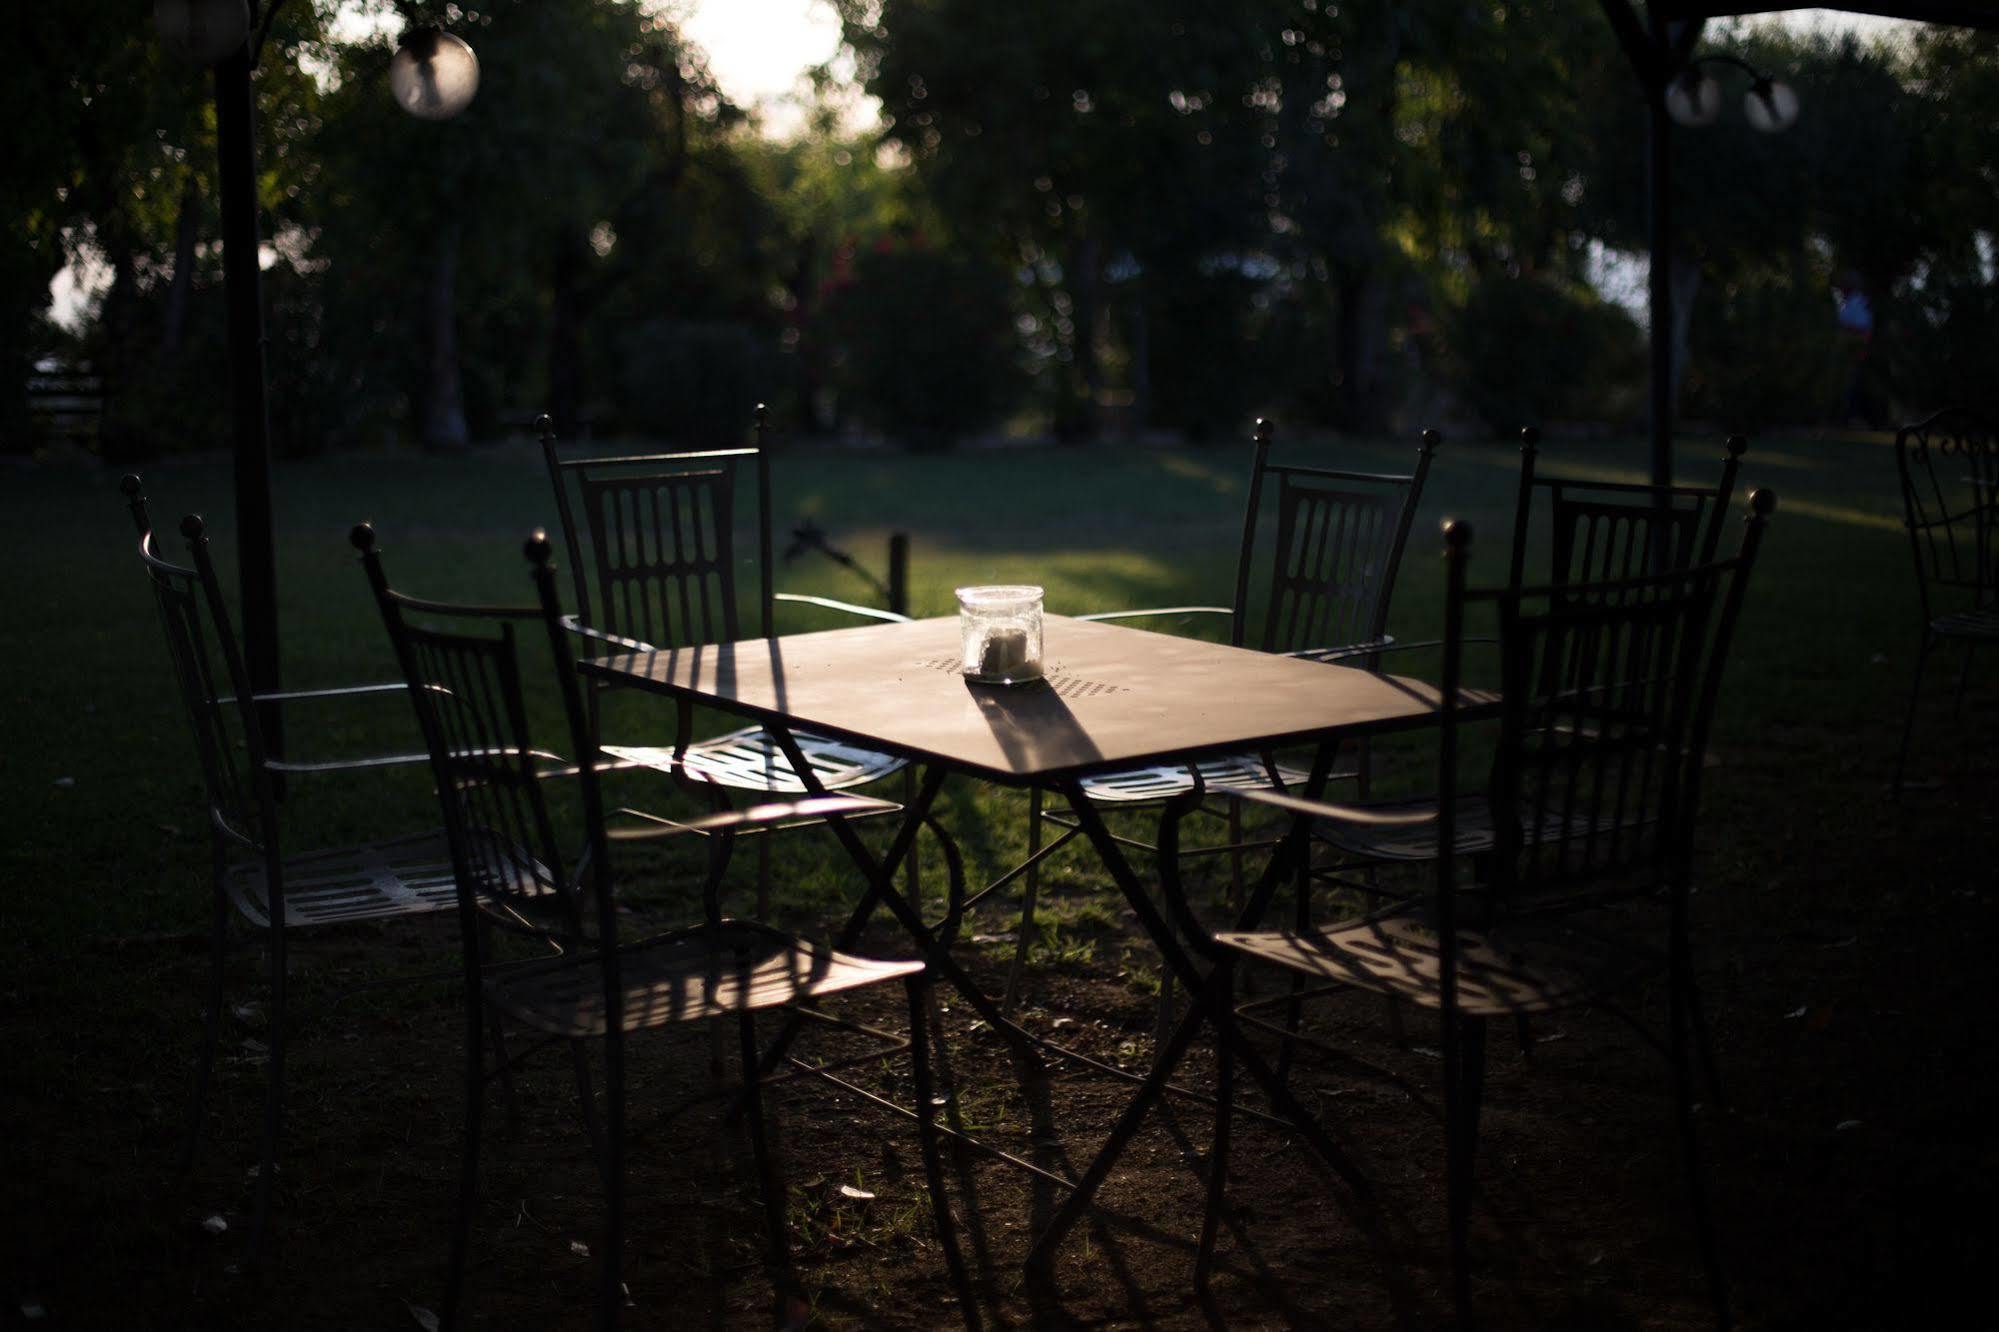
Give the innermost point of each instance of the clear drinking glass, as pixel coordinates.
(1002, 633)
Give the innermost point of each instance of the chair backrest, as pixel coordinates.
(661, 530)
(1340, 537)
(1607, 692)
(1949, 466)
(1609, 530)
(463, 667)
(210, 674)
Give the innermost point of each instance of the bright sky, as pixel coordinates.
(758, 48)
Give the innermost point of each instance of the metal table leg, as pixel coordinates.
(1203, 989)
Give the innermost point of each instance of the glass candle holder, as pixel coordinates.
(1001, 628)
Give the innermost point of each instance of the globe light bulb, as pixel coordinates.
(434, 75)
(205, 32)
(1771, 106)
(1693, 99)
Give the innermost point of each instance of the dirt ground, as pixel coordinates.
(1846, 948)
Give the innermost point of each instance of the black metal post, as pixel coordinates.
(250, 422)
(1658, 179)
(898, 573)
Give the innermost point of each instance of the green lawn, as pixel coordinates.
(100, 766)
(104, 867)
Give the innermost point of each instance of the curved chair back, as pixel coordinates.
(210, 674)
(1949, 465)
(1339, 541)
(1607, 692)
(463, 668)
(1609, 530)
(663, 542)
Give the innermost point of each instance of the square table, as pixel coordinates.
(1112, 698)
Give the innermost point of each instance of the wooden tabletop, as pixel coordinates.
(1114, 697)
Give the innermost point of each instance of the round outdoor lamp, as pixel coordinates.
(434, 75)
(1770, 106)
(203, 31)
(1693, 97)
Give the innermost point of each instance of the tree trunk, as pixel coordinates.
(1685, 276)
(1141, 358)
(1362, 316)
(565, 371)
(187, 230)
(444, 406)
(1080, 277)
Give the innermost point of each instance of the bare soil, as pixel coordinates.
(1846, 954)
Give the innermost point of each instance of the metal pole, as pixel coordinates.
(1658, 179)
(898, 573)
(250, 423)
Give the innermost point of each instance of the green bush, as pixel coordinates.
(922, 342)
(1766, 350)
(1537, 348)
(1941, 351)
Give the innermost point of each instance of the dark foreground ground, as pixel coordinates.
(1846, 953)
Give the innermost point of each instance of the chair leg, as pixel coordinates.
(915, 988)
(211, 1022)
(763, 876)
(1235, 853)
(914, 859)
(611, 1258)
(1294, 1009)
(468, 1160)
(1218, 1155)
(1704, 1042)
(768, 1181)
(1165, 1015)
(274, 1069)
(1025, 935)
(1963, 679)
(1464, 1095)
(1909, 722)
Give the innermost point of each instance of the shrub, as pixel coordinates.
(1766, 350)
(1538, 348)
(692, 382)
(922, 342)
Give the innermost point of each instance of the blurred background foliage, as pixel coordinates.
(1116, 218)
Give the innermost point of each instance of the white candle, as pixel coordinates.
(1003, 654)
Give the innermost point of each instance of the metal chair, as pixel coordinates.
(1949, 466)
(515, 879)
(665, 553)
(277, 894)
(1601, 533)
(1608, 691)
(1339, 541)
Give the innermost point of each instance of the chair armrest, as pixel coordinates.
(732, 820)
(827, 603)
(345, 691)
(577, 627)
(1321, 809)
(344, 765)
(1159, 610)
(1376, 648)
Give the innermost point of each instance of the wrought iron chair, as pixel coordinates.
(277, 894)
(1339, 541)
(1600, 532)
(1949, 466)
(514, 878)
(1608, 690)
(665, 553)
